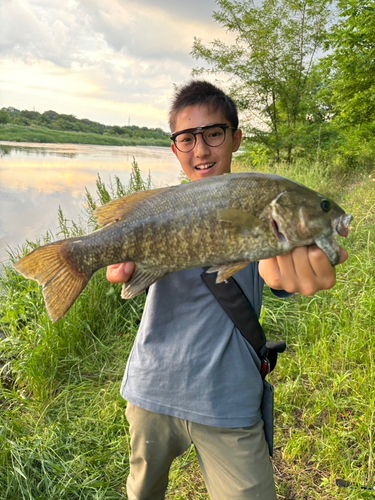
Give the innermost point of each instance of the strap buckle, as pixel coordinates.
(265, 368)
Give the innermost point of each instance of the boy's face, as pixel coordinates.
(205, 161)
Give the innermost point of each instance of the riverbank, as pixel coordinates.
(63, 428)
(37, 134)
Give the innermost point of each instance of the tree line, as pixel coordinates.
(63, 122)
(303, 75)
(301, 71)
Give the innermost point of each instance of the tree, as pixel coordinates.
(30, 115)
(118, 130)
(270, 64)
(352, 62)
(4, 117)
(12, 112)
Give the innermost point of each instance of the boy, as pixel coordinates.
(191, 376)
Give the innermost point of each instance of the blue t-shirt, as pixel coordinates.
(189, 360)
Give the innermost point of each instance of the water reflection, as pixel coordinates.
(36, 179)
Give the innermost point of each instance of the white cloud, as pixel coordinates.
(101, 56)
(30, 31)
(65, 33)
(76, 92)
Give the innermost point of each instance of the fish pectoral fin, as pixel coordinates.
(330, 247)
(225, 271)
(238, 221)
(117, 209)
(140, 280)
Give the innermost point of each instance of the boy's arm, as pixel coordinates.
(120, 273)
(306, 270)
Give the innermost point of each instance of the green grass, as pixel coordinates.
(63, 432)
(326, 380)
(34, 133)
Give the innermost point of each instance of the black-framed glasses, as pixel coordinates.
(213, 136)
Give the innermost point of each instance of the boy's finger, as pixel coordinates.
(120, 273)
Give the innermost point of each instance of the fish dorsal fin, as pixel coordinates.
(118, 209)
(238, 221)
(140, 280)
(225, 271)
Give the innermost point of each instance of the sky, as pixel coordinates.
(111, 61)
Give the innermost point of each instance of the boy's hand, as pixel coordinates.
(306, 270)
(120, 273)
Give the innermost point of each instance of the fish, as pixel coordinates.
(222, 223)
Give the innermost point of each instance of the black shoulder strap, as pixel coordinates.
(235, 303)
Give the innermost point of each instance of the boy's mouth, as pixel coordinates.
(205, 166)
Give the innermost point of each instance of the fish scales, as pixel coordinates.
(194, 230)
(223, 222)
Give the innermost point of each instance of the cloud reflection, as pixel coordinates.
(34, 183)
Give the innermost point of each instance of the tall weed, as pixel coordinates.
(63, 432)
(59, 394)
(325, 406)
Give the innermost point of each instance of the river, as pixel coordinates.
(35, 179)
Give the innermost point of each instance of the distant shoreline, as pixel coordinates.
(37, 134)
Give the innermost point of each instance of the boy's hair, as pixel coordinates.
(202, 93)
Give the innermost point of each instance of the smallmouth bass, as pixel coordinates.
(222, 222)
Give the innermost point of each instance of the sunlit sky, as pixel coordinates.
(112, 61)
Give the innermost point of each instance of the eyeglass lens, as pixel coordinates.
(213, 136)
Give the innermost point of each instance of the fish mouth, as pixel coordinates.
(342, 227)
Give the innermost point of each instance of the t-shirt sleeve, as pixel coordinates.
(281, 294)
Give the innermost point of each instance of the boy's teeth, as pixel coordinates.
(205, 167)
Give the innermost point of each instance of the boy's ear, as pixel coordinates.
(237, 138)
(174, 149)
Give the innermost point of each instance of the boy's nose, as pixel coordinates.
(201, 148)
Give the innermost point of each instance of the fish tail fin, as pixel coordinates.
(61, 282)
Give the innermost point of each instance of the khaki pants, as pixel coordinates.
(235, 462)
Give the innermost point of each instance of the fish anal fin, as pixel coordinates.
(117, 209)
(61, 283)
(225, 271)
(238, 221)
(139, 282)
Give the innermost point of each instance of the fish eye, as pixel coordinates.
(325, 205)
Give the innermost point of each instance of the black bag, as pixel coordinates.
(267, 410)
(235, 303)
